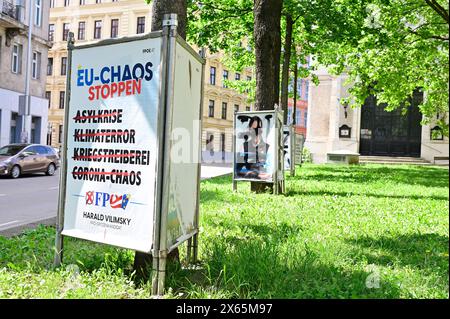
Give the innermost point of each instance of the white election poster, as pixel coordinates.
(255, 146)
(112, 143)
(287, 147)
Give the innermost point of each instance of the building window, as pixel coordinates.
(211, 108)
(48, 96)
(16, 61)
(66, 3)
(81, 30)
(224, 110)
(13, 134)
(82, 2)
(98, 29)
(98, 1)
(210, 143)
(212, 76)
(225, 78)
(307, 90)
(51, 32)
(52, 3)
(436, 134)
(249, 78)
(36, 65)
(222, 145)
(298, 116)
(60, 134)
(305, 117)
(237, 76)
(64, 66)
(140, 25)
(38, 12)
(66, 27)
(114, 28)
(300, 89)
(236, 107)
(62, 98)
(247, 108)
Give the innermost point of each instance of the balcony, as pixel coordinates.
(9, 9)
(11, 18)
(11, 15)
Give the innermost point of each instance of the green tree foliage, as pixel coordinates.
(389, 48)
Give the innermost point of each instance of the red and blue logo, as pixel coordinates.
(103, 199)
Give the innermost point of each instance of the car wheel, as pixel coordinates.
(50, 170)
(15, 171)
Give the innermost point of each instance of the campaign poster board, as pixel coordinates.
(255, 146)
(287, 147)
(112, 144)
(298, 149)
(185, 154)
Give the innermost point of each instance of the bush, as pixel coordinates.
(306, 156)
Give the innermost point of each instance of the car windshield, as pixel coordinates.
(10, 150)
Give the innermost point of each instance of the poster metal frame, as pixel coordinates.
(278, 176)
(169, 39)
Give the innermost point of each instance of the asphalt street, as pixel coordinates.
(32, 199)
(28, 199)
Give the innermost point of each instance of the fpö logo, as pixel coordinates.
(103, 199)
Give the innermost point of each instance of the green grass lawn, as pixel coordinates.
(340, 232)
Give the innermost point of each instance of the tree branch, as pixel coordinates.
(425, 37)
(438, 9)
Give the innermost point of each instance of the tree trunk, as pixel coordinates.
(294, 111)
(267, 36)
(161, 7)
(285, 70)
(142, 261)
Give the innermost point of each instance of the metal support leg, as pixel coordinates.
(195, 248)
(59, 243)
(155, 274)
(189, 251)
(162, 275)
(234, 186)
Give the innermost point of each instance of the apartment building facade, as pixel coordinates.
(301, 114)
(219, 104)
(14, 20)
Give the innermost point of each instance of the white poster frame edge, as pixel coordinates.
(195, 231)
(273, 180)
(59, 242)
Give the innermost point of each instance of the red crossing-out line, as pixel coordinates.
(106, 156)
(103, 173)
(103, 134)
(94, 116)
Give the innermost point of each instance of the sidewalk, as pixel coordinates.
(214, 170)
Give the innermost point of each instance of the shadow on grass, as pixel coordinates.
(346, 194)
(33, 251)
(361, 174)
(261, 268)
(422, 251)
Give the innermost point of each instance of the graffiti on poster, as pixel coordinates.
(255, 146)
